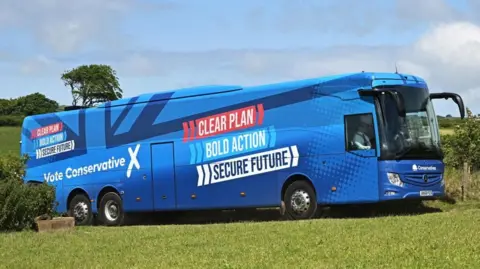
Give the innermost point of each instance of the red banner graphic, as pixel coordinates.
(223, 122)
(47, 130)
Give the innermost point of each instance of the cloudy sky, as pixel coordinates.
(158, 45)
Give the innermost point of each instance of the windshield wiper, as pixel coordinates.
(402, 153)
(422, 147)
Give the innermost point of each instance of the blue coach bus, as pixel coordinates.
(345, 139)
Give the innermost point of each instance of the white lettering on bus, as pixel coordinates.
(250, 165)
(103, 166)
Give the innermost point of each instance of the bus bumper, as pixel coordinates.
(397, 182)
(391, 193)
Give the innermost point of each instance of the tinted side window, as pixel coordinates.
(359, 132)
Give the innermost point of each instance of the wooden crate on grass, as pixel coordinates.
(55, 224)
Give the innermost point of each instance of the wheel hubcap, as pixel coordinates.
(80, 211)
(300, 201)
(111, 210)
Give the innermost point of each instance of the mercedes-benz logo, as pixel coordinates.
(425, 178)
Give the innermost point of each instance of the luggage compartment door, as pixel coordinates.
(163, 175)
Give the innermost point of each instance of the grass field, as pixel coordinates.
(437, 240)
(9, 140)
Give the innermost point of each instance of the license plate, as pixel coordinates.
(426, 193)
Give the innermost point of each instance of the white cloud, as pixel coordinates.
(69, 26)
(452, 53)
(456, 44)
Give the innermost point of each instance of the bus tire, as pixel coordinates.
(111, 210)
(300, 201)
(80, 208)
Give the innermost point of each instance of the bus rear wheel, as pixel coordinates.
(80, 209)
(300, 201)
(111, 210)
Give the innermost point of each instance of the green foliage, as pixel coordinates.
(12, 111)
(20, 204)
(7, 106)
(11, 120)
(92, 84)
(464, 144)
(35, 103)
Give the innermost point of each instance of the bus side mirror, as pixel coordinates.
(455, 97)
(398, 97)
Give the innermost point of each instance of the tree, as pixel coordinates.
(33, 104)
(13, 111)
(6, 106)
(92, 84)
(464, 145)
(462, 151)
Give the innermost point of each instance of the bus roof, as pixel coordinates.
(216, 89)
(174, 94)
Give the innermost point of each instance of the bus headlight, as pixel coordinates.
(394, 178)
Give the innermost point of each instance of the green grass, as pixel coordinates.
(9, 140)
(439, 240)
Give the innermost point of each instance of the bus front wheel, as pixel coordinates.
(300, 201)
(111, 210)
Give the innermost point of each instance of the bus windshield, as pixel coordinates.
(415, 136)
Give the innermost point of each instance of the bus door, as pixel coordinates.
(360, 175)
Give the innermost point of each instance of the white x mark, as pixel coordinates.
(133, 160)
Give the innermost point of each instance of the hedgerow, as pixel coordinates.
(462, 154)
(20, 203)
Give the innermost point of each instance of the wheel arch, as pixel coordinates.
(74, 192)
(104, 191)
(296, 177)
